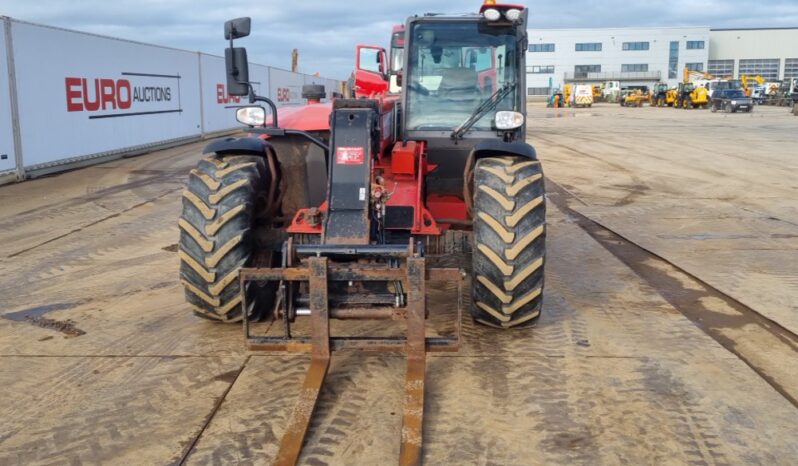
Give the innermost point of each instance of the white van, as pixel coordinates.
(583, 96)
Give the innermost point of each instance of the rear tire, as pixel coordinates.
(509, 241)
(217, 237)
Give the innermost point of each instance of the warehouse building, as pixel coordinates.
(769, 52)
(644, 56)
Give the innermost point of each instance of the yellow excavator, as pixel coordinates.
(746, 79)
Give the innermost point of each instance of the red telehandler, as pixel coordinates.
(332, 210)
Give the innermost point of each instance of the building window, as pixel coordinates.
(589, 47)
(635, 45)
(549, 69)
(635, 68)
(721, 68)
(790, 68)
(695, 66)
(768, 68)
(541, 47)
(537, 90)
(673, 60)
(581, 71)
(695, 44)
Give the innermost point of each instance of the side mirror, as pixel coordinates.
(235, 59)
(382, 60)
(237, 28)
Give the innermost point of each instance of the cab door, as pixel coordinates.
(371, 74)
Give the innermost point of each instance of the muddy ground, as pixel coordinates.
(668, 335)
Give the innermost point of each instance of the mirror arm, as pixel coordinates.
(256, 98)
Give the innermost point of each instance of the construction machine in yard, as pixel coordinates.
(697, 88)
(338, 210)
(555, 100)
(671, 96)
(634, 97)
(598, 95)
(784, 94)
(745, 80)
(659, 95)
(611, 91)
(688, 95)
(568, 92)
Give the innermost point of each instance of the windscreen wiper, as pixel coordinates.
(486, 106)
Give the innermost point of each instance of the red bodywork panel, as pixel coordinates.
(311, 117)
(398, 173)
(401, 177)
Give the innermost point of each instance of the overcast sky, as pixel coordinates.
(326, 31)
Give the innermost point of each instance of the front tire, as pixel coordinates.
(223, 196)
(509, 241)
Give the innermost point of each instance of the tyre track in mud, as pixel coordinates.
(96, 222)
(147, 179)
(669, 281)
(636, 188)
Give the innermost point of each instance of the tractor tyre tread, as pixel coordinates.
(509, 241)
(216, 232)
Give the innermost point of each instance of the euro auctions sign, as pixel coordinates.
(127, 95)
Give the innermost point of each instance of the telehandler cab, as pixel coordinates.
(439, 168)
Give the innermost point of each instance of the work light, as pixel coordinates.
(513, 14)
(509, 120)
(492, 14)
(251, 116)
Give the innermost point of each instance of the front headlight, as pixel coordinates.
(251, 116)
(509, 120)
(734, 102)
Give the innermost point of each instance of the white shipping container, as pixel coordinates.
(219, 108)
(83, 95)
(7, 158)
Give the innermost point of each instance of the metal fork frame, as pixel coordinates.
(318, 272)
